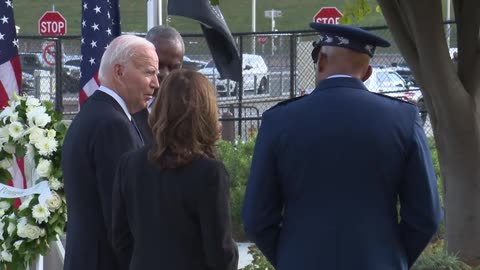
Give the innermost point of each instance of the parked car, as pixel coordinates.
(28, 84)
(191, 64)
(389, 82)
(254, 73)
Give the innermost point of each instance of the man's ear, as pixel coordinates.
(367, 74)
(118, 71)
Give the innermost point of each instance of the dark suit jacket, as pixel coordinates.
(96, 138)
(141, 118)
(326, 174)
(172, 219)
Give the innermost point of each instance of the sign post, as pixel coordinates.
(52, 23)
(272, 14)
(328, 15)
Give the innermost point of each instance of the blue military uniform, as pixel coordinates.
(327, 173)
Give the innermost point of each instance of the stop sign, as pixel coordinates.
(52, 23)
(262, 39)
(328, 15)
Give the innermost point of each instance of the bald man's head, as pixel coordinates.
(169, 47)
(337, 60)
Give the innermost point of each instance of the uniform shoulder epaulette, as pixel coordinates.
(285, 102)
(394, 98)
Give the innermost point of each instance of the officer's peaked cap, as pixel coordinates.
(350, 37)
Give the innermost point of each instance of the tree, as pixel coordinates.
(452, 97)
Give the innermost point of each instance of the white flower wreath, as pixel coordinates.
(34, 131)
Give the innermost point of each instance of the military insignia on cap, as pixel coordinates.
(342, 40)
(328, 39)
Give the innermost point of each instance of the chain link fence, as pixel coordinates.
(276, 66)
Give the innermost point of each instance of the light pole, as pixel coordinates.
(448, 25)
(254, 23)
(154, 13)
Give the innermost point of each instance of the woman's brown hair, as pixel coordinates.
(184, 119)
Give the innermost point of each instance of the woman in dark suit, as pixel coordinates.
(170, 199)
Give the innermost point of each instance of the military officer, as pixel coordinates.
(330, 167)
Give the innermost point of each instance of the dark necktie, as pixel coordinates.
(138, 130)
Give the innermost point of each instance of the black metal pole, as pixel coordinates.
(240, 90)
(293, 57)
(58, 76)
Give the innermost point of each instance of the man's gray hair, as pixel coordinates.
(165, 33)
(120, 51)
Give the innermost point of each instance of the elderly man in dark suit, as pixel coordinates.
(100, 133)
(170, 50)
(329, 168)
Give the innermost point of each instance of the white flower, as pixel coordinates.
(9, 148)
(54, 202)
(11, 228)
(54, 184)
(46, 146)
(16, 130)
(6, 163)
(32, 102)
(51, 133)
(33, 112)
(42, 120)
(1, 229)
(40, 213)
(17, 244)
(2, 212)
(36, 134)
(25, 204)
(28, 231)
(6, 112)
(44, 167)
(6, 256)
(14, 117)
(4, 133)
(4, 205)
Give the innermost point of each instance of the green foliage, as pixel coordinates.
(133, 13)
(237, 158)
(259, 261)
(356, 11)
(434, 257)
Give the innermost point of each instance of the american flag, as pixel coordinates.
(10, 76)
(100, 24)
(10, 71)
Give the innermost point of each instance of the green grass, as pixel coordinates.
(296, 14)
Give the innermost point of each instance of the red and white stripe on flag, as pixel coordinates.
(10, 80)
(10, 76)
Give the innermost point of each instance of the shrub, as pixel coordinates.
(259, 262)
(237, 158)
(434, 257)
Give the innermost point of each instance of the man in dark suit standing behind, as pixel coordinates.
(100, 133)
(329, 168)
(170, 50)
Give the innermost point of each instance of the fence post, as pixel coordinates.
(240, 90)
(59, 76)
(293, 57)
(228, 127)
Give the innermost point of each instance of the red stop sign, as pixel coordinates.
(262, 39)
(52, 23)
(328, 15)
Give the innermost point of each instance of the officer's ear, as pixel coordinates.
(367, 73)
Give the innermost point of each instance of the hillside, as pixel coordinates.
(295, 15)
